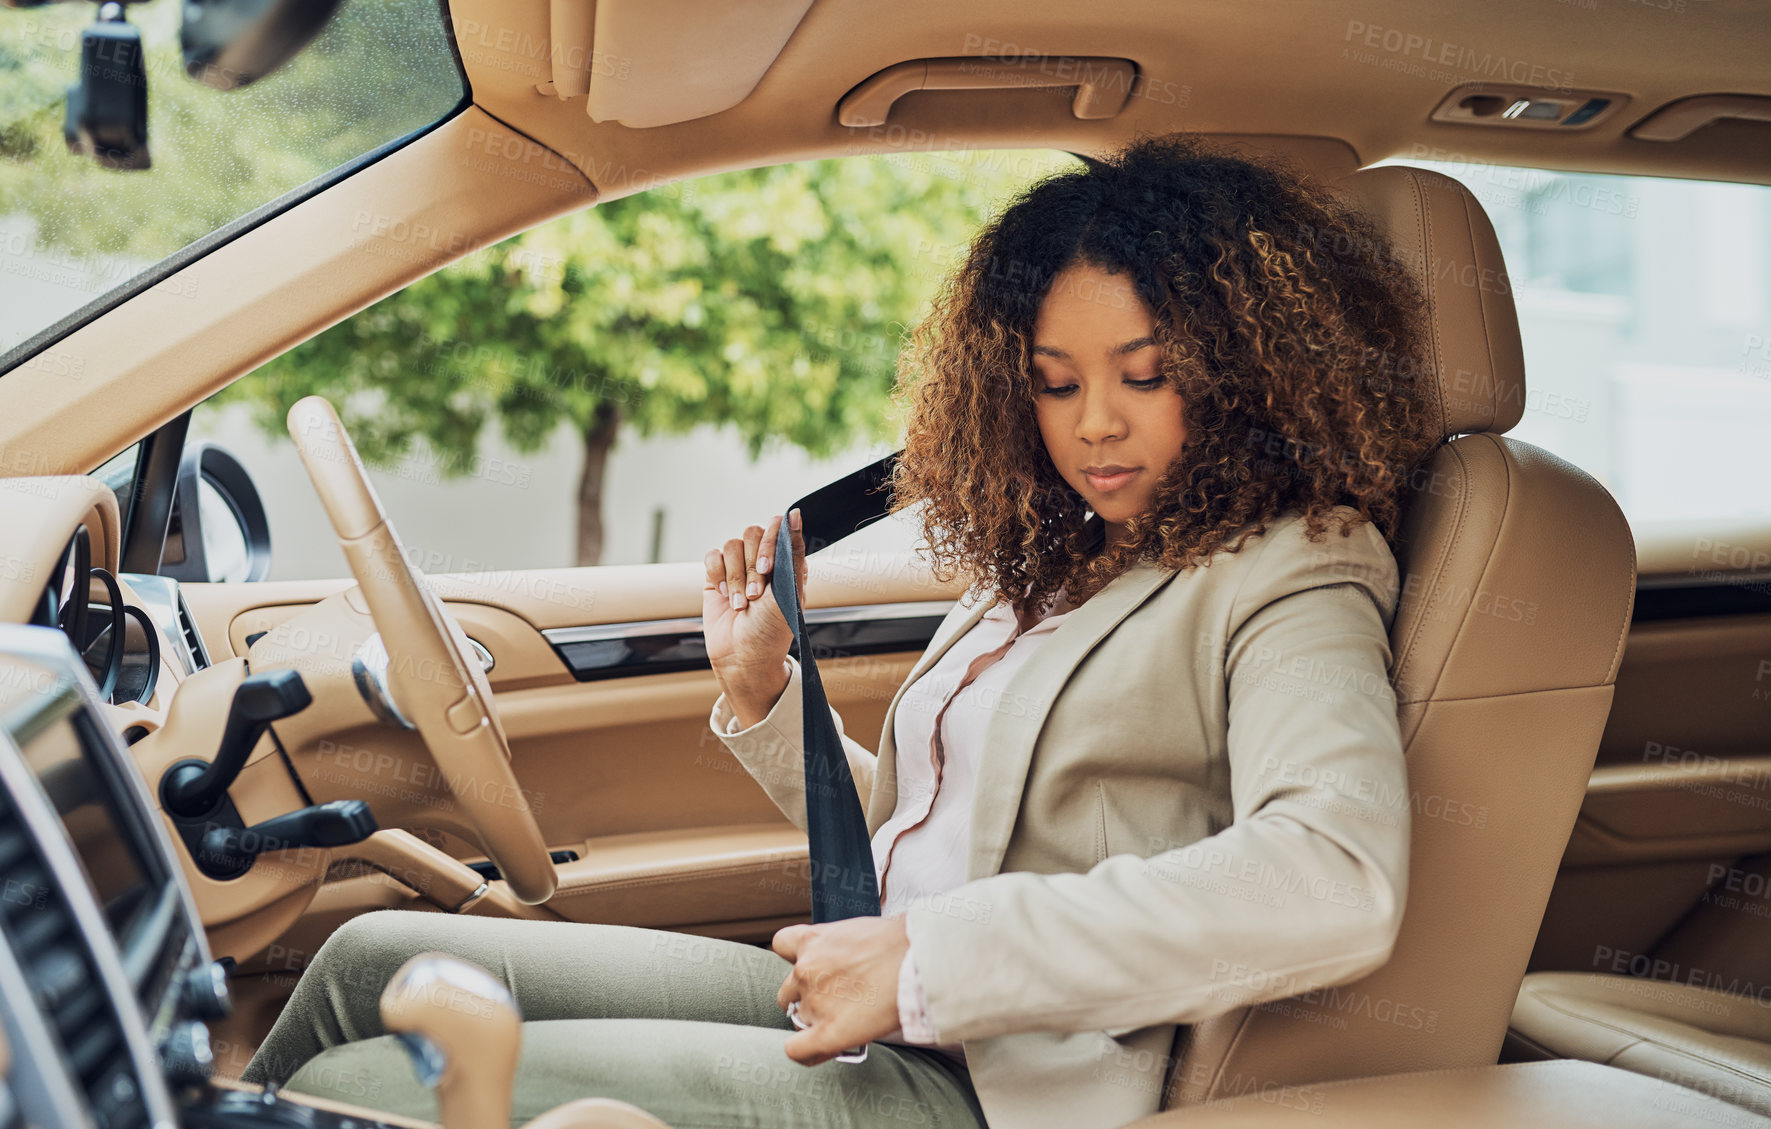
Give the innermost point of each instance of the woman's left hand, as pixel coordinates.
(845, 977)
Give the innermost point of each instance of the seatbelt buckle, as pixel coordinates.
(853, 1054)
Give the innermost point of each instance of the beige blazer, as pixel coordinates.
(1192, 798)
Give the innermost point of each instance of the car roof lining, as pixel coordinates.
(1249, 67)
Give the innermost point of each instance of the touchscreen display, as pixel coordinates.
(74, 785)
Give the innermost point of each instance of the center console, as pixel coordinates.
(106, 980)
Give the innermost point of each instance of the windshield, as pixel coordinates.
(71, 232)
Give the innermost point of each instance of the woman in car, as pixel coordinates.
(1162, 418)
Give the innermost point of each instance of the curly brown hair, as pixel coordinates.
(1285, 323)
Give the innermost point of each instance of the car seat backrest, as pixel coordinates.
(1518, 575)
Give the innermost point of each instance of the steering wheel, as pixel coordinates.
(432, 676)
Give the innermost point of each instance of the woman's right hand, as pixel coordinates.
(746, 635)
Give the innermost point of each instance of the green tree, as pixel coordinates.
(772, 300)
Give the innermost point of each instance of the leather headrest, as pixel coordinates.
(1441, 233)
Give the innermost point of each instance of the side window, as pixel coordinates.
(636, 382)
(1645, 307)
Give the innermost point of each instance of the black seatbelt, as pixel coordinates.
(843, 880)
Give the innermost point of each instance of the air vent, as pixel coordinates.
(192, 641)
(62, 978)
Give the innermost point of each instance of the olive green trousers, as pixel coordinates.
(684, 1027)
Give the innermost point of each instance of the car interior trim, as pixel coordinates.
(619, 650)
(32, 1074)
(649, 66)
(1703, 599)
(45, 827)
(1679, 120)
(600, 632)
(160, 598)
(147, 512)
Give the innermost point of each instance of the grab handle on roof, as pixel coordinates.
(1679, 120)
(1102, 85)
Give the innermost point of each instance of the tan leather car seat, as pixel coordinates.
(1715, 1042)
(1518, 574)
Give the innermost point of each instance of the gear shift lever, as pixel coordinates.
(463, 1030)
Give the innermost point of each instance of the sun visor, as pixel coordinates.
(571, 29)
(657, 62)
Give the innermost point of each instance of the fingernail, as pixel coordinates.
(762, 564)
(795, 517)
(737, 601)
(754, 589)
(722, 589)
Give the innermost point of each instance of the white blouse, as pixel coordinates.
(938, 730)
(920, 852)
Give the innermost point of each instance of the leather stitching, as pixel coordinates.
(1439, 568)
(1506, 488)
(1217, 1077)
(1508, 694)
(1743, 1072)
(1423, 225)
(1482, 312)
(1629, 601)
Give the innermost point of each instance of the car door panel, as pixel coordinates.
(621, 768)
(1691, 691)
(1680, 797)
(1662, 812)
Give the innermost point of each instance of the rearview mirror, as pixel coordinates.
(231, 43)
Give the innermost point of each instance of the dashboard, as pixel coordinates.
(59, 568)
(102, 947)
(123, 644)
(106, 981)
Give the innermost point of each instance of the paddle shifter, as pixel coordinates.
(463, 1031)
